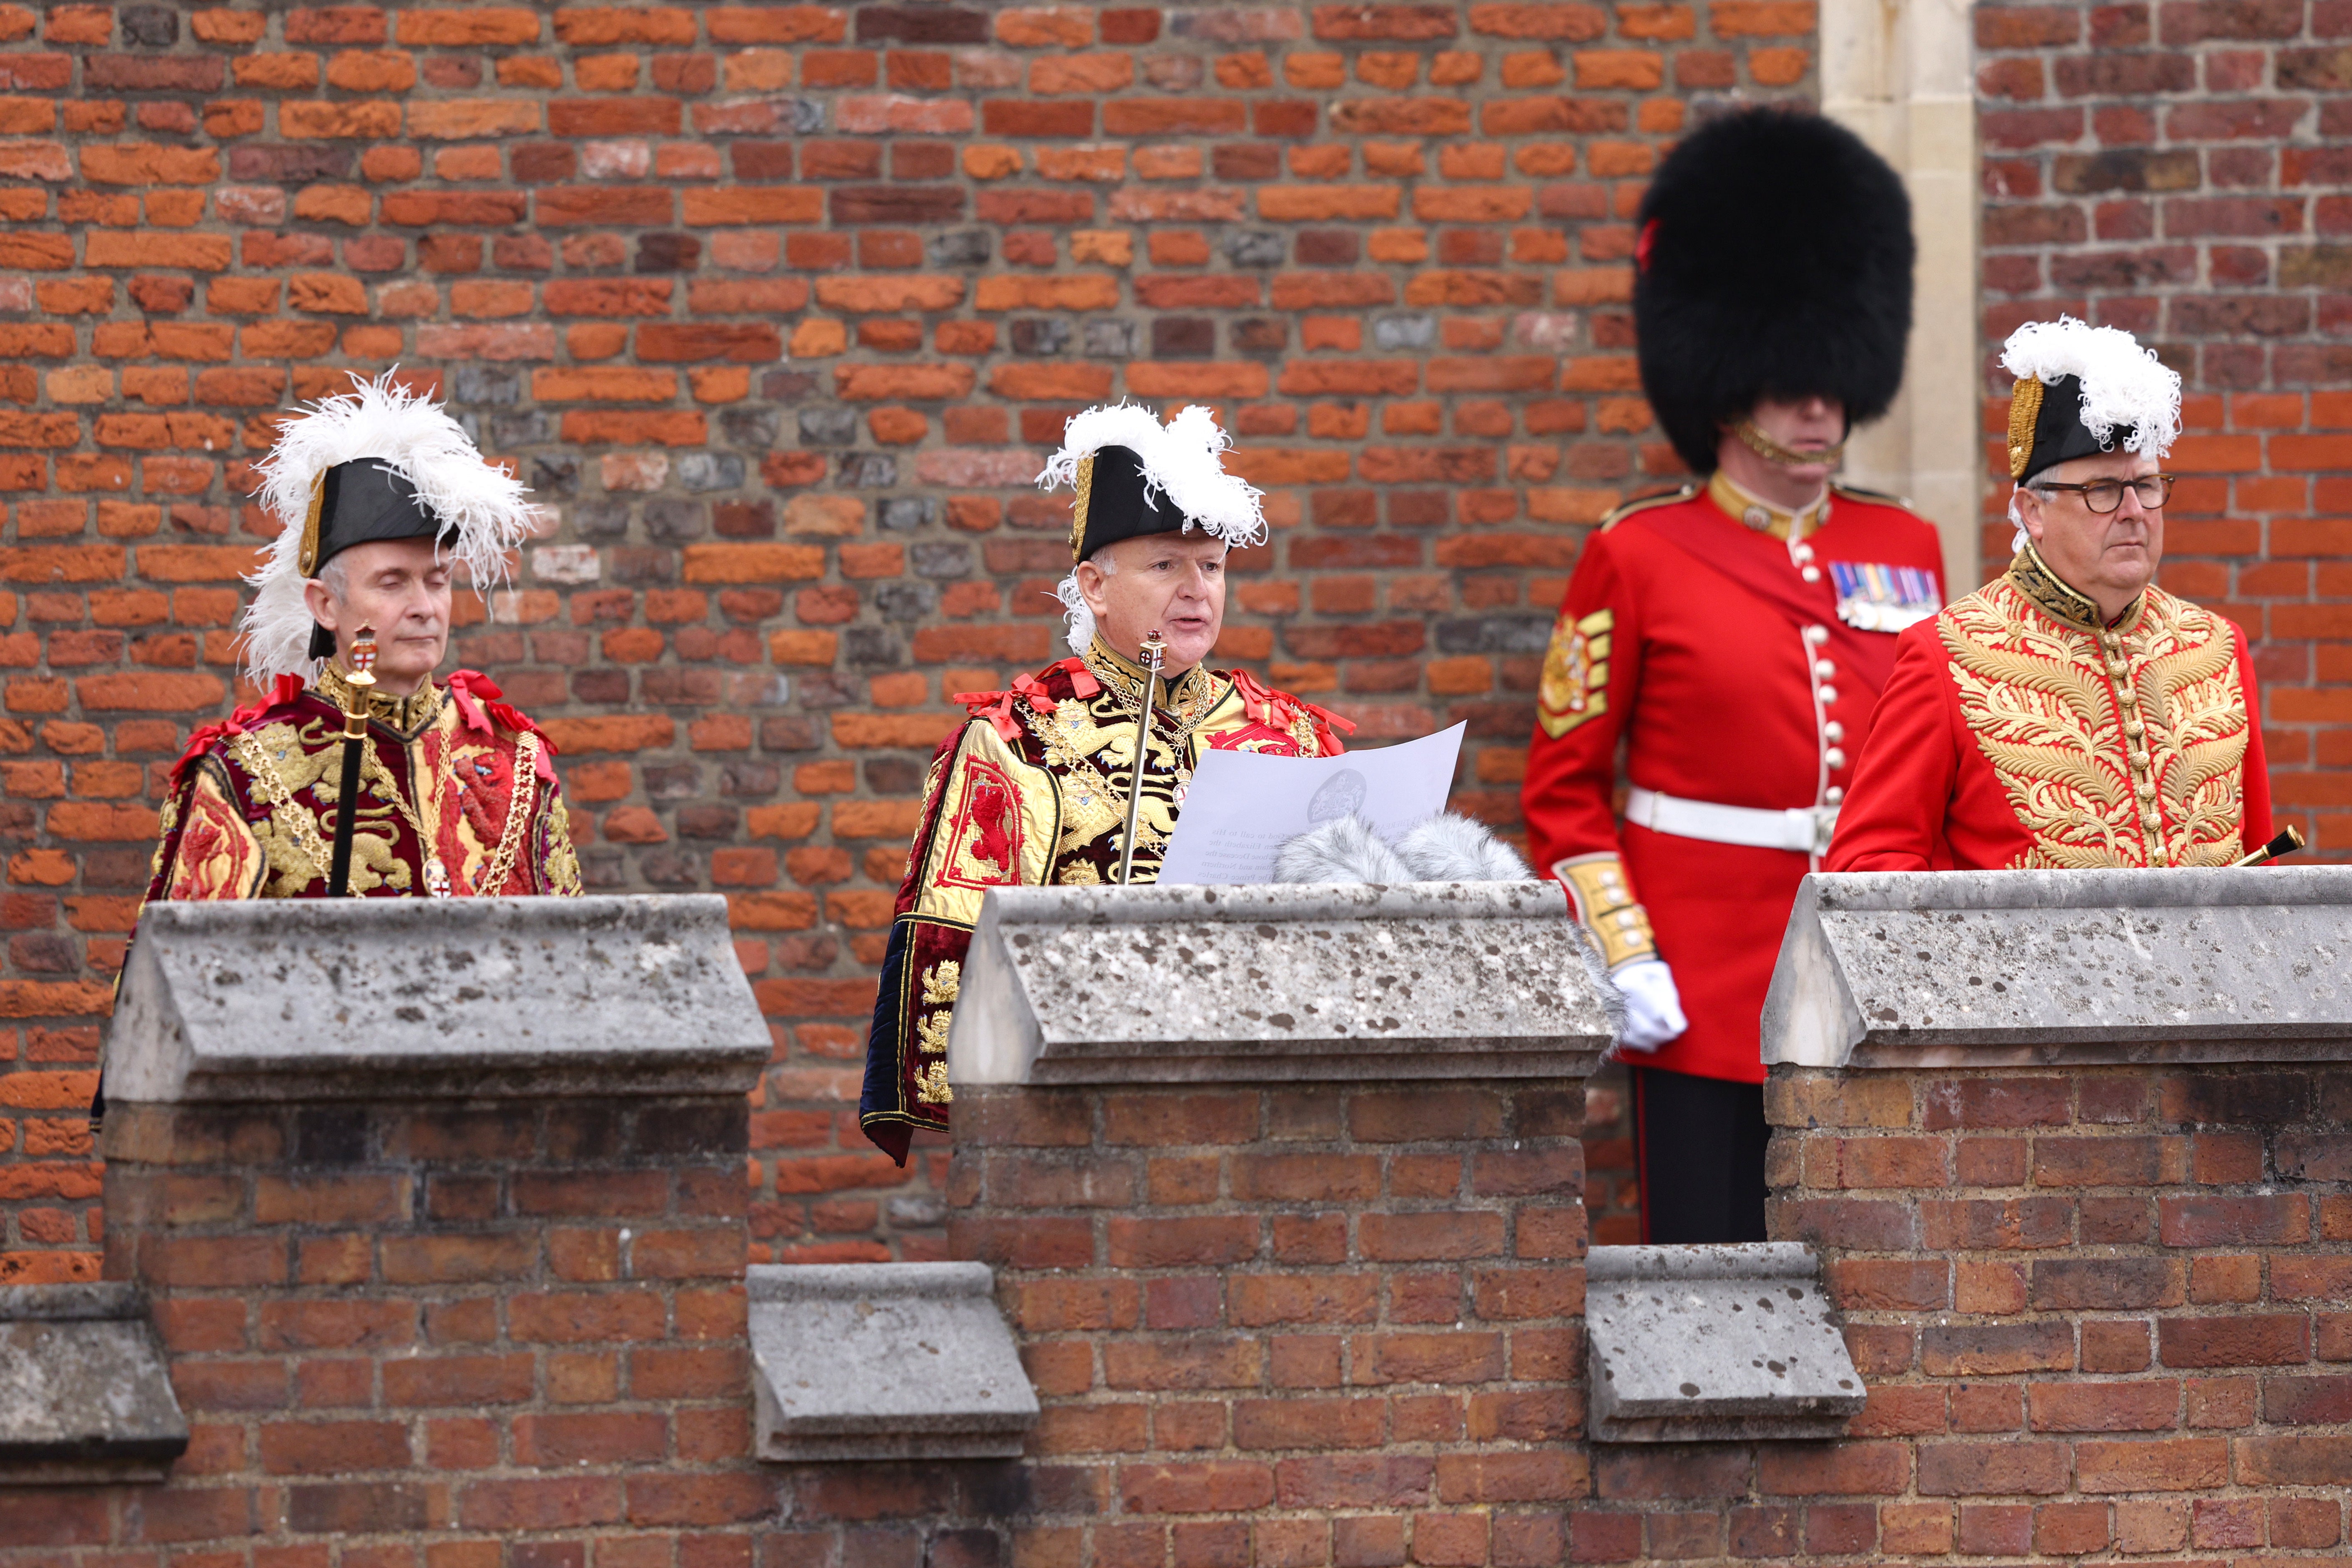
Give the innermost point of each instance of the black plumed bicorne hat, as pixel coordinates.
(1773, 258)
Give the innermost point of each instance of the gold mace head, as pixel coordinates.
(362, 658)
(1155, 652)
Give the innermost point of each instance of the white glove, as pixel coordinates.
(1653, 1008)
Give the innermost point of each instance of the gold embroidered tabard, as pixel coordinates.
(2117, 744)
(454, 796)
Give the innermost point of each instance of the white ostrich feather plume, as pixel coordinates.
(1180, 461)
(2125, 386)
(483, 511)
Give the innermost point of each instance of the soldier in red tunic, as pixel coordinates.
(2070, 713)
(1731, 637)
(1033, 790)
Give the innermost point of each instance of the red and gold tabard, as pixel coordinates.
(1735, 652)
(458, 792)
(1032, 793)
(2020, 730)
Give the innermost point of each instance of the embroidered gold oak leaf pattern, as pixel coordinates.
(2198, 728)
(2036, 697)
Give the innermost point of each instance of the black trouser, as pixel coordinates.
(1698, 1147)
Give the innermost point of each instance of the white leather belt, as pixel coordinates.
(1804, 829)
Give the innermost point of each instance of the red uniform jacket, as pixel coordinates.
(1685, 635)
(2018, 731)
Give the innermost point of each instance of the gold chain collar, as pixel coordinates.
(409, 715)
(2053, 596)
(1186, 697)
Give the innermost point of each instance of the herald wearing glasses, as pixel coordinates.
(2071, 713)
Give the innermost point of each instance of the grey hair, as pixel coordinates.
(335, 580)
(1074, 603)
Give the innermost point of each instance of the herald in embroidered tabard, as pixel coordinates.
(1875, 597)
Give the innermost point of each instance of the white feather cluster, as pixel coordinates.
(487, 510)
(2125, 386)
(1180, 460)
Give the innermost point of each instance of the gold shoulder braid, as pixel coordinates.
(2116, 746)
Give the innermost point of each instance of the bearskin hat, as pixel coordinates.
(1774, 258)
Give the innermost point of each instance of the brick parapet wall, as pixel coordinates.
(464, 1335)
(778, 307)
(2177, 170)
(1303, 1325)
(2098, 1311)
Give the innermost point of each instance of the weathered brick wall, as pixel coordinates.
(2098, 1311)
(1313, 1324)
(779, 306)
(2177, 170)
(459, 1334)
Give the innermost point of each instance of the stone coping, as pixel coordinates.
(1888, 970)
(1727, 1343)
(415, 998)
(1208, 984)
(885, 1360)
(85, 1388)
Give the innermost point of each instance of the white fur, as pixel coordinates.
(2125, 386)
(1347, 850)
(409, 434)
(1452, 848)
(1180, 460)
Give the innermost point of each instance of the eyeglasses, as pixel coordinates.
(2104, 496)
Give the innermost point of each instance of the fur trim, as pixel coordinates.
(1347, 850)
(1180, 461)
(486, 509)
(2125, 389)
(1774, 257)
(1452, 848)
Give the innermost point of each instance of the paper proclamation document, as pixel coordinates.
(1244, 806)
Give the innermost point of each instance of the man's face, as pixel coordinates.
(2111, 556)
(398, 587)
(1812, 424)
(1173, 584)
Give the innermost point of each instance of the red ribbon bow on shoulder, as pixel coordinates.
(1276, 708)
(997, 706)
(284, 690)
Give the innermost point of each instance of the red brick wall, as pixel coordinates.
(433, 1333)
(2097, 1311)
(780, 306)
(1301, 1325)
(2177, 170)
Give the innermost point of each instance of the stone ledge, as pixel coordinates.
(885, 1360)
(85, 1388)
(1730, 1343)
(1884, 970)
(1186, 985)
(359, 998)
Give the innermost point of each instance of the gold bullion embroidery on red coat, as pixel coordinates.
(2082, 768)
(1575, 684)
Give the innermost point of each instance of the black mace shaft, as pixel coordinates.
(359, 682)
